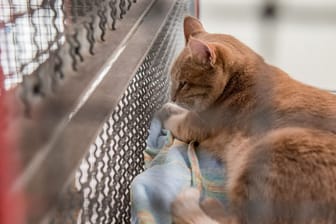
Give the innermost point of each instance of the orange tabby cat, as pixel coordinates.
(276, 136)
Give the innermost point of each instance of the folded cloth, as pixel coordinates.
(171, 166)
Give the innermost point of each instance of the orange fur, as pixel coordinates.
(276, 136)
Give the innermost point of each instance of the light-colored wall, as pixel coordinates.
(301, 41)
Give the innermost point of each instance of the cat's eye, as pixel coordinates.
(182, 84)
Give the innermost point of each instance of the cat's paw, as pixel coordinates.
(186, 208)
(168, 110)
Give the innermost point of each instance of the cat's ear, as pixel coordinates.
(201, 52)
(191, 27)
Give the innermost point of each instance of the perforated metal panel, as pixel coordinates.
(101, 189)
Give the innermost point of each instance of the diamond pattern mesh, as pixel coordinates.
(31, 32)
(101, 188)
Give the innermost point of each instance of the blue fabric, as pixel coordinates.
(171, 166)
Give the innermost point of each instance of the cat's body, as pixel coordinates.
(276, 136)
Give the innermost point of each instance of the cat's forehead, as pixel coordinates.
(182, 60)
(185, 58)
(186, 69)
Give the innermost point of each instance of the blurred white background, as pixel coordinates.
(297, 36)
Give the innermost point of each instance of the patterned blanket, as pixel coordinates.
(171, 166)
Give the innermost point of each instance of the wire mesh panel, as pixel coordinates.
(61, 30)
(28, 32)
(43, 44)
(100, 192)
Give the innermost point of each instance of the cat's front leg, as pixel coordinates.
(183, 124)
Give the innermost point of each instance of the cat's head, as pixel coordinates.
(201, 72)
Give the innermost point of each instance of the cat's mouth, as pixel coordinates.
(191, 102)
(182, 104)
(198, 95)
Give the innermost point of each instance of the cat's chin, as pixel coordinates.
(183, 105)
(195, 108)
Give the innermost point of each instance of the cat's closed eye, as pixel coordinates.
(183, 85)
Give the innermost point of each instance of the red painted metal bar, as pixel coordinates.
(11, 201)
